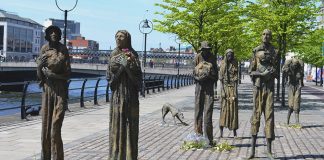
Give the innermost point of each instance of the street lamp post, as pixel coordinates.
(177, 40)
(65, 17)
(145, 28)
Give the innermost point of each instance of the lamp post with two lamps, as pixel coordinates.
(145, 28)
(65, 17)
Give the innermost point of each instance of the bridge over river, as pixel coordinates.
(26, 71)
(89, 68)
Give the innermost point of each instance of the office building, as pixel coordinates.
(20, 38)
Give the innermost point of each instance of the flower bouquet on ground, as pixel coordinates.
(194, 141)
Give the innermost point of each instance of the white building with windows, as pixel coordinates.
(20, 38)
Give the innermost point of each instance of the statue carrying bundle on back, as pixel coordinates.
(293, 70)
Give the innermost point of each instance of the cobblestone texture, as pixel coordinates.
(163, 142)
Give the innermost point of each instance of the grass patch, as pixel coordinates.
(223, 147)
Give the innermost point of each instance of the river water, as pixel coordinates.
(33, 97)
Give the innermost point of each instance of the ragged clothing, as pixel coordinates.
(293, 71)
(228, 76)
(125, 82)
(54, 99)
(204, 95)
(263, 71)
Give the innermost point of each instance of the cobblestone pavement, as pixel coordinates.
(157, 141)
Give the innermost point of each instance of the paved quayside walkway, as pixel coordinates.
(85, 132)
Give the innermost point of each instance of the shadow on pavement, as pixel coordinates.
(313, 126)
(311, 156)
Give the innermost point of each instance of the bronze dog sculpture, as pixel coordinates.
(175, 113)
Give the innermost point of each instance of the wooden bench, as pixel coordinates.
(154, 84)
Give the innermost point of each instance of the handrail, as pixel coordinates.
(86, 92)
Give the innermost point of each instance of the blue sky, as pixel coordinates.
(100, 19)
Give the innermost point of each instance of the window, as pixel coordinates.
(29, 40)
(23, 39)
(17, 40)
(1, 37)
(10, 38)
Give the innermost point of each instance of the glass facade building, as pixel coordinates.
(20, 38)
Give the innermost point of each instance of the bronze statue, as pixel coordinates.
(263, 71)
(53, 71)
(293, 70)
(176, 113)
(205, 74)
(125, 77)
(228, 76)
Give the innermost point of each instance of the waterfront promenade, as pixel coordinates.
(85, 131)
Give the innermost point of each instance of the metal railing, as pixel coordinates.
(77, 93)
(89, 89)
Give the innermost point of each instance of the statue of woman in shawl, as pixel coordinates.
(229, 108)
(125, 77)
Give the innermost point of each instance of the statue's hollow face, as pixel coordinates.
(230, 56)
(121, 40)
(266, 36)
(205, 51)
(54, 36)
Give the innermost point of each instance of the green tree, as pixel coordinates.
(310, 49)
(289, 21)
(217, 21)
